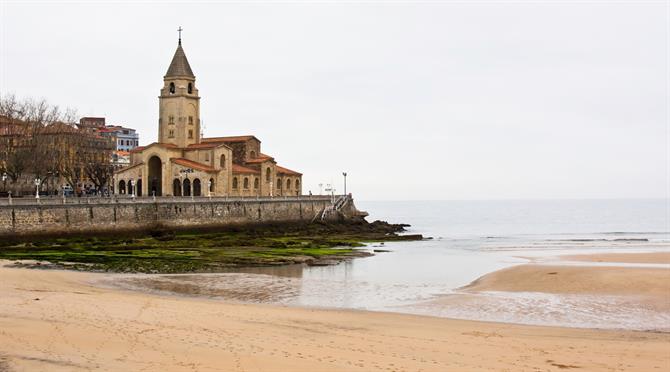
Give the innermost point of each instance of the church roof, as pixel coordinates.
(229, 139)
(179, 66)
(282, 170)
(193, 164)
(240, 169)
(166, 145)
(204, 145)
(262, 158)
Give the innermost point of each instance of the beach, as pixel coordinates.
(57, 320)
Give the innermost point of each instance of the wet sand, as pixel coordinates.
(55, 320)
(648, 286)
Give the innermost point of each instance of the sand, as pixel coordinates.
(649, 257)
(55, 320)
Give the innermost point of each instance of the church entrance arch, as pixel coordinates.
(155, 176)
(187, 187)
(176, 187)
(196, 187)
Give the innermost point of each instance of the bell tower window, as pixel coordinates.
(190, 88)
(190, 120)
(171, 120)
(190, 133)
(172, 89)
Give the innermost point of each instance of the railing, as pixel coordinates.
(127, 199)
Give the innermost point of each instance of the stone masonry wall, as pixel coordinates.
(108, 217)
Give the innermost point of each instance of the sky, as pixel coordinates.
(414, 100)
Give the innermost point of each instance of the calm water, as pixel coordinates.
(470, 239)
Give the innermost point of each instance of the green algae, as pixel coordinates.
(165, 251)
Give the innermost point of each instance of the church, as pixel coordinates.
(183, 163)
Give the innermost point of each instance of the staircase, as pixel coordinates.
(335, 208)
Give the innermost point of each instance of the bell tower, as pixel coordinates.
(179, 103)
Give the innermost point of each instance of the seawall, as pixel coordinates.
(51, 217)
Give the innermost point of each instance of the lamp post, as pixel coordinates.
(345, 182)
(37, 187)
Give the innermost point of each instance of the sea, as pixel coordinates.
(464, 241)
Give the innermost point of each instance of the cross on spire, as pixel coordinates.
(180, 30)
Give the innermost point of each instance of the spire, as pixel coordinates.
(179, 65)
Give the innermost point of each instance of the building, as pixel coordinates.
(58, 154)
(126, 139)
(182, 163)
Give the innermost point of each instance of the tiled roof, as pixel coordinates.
(240, 169)
(166, 145)
(261, 159)
(230, 139)
(193, 164)
(128, 167)
(287, 171)
(123, 153)
(203, 145)
(179, 65)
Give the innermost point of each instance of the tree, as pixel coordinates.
(42, 141)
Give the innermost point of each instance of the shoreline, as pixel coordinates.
(129, 330)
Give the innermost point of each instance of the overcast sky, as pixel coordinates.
(446, 100)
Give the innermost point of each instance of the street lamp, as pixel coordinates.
(37, 187)
(345, 182)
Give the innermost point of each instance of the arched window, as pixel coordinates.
(297, 184)
(268, 174)
(211, 185)
(223, 161)
(279, 183)
(122, 187)
(187, 187)
(235, 182)
(176, 187)
(256, 183)
(246, 182)
(288, 184)
(171, 88)
(252, 154)
(196, 187)
(190, 88)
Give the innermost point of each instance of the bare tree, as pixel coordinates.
(43, 141)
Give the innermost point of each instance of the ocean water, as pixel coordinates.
(469, 239)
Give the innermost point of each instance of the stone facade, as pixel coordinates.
(182, 163)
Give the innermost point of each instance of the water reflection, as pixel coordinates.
(412, 276)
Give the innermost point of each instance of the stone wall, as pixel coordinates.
(48, 219)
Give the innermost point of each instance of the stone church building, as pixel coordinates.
(182, 163)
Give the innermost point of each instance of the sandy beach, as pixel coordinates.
(55, 320)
